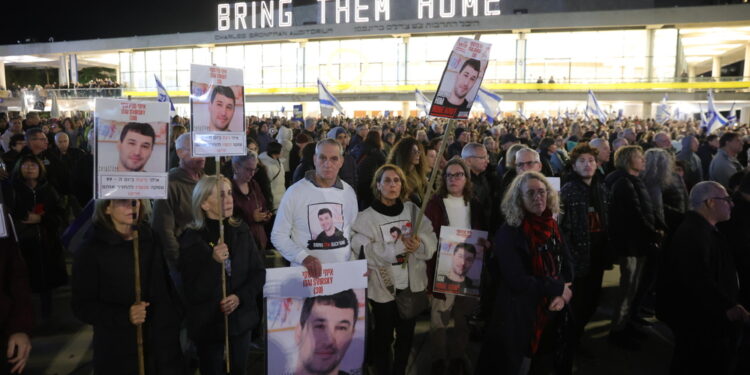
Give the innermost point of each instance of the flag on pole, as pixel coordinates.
(55, 111)
(732, 118)
(422, 102)
(490, 102)
(520, 113)
(712, 117)
(163, 96)
(592, 107)
(327, 101)
(620, 116)
(663, 114)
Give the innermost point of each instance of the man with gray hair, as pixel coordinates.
(172, 215)
(699, 292)
(603, 164)
(320, 202)
(476, 158)
(527, 160)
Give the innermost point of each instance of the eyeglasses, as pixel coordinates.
(456, 175)
(727, 199)
(526, 164)
(531, 194)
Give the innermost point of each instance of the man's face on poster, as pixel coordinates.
(221, 111)
(462, 261)
(135, 150)
(465, 80)
(326, 221)
(325, 338)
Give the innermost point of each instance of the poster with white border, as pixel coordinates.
(312, 323)
(3, 226)
(217, 108)
(131, 149)
(459, 261)
(461, 79)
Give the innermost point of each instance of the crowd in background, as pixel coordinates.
(653, 198)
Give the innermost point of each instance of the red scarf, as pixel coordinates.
(539, 230)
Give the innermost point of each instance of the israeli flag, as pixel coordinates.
(712, 118)
(490, 102)
(327, 101)
(520, 113)
(620, 116)
(663, 114)
(163, 96)
(732, 118)
(422, 102)
(592, 107)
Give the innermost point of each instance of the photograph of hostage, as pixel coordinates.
(325, 331)
(221, 108)
(329, 233)
(465, 79)
(136, 144)
(457, 279)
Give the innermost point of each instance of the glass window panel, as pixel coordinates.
(184, 58)
(271, 54)
(390, 73)
(153, 60)
(139, 62)
(373, 75)
(169, 79)
(350, 73)
(201, 56)
(253, 68)
(139, 80)
(236, 57)
(219, 56)
(169, 59)
(124, 61)
(271, 76)
(183, 79)
(125, 79)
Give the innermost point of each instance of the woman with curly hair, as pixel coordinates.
(408, 155)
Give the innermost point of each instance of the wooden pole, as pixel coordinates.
(137, 272)
(433, 176)
(219, 188)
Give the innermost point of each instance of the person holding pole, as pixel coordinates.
(104, 293)
(206, 252)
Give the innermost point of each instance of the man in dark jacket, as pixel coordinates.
(58, 174)
(348, 171)
(461, 139)
(702, 281)
(706, 152)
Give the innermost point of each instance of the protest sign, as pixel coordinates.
(217, 107)
(131, 149)
(316, 325)
(461, 79)
(459, 262)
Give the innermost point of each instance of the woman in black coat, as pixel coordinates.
(371, 159)
(38, 217)
(103, 293)
(530, 320)
(203, 258)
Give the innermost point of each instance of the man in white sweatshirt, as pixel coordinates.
(319, 203)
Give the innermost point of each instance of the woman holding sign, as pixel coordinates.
(396, 262)
(104, 293)
(530, 316)
(202, 257)
(454, 206)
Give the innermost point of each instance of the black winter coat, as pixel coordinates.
(575, 199)
(201, 276)
(40, 243)
(103, 290)
(372, 158)
(518, 294)
(632, 223)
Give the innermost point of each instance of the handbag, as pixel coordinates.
(410, 304)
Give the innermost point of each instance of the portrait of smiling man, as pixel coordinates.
(136, 144)
(221, 108)
(325, 331)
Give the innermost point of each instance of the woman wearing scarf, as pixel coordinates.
(527, 329)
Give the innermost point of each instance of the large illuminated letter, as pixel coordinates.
(285, 17)
(223, 17)
(474, 4)
(240, 13)
(450, 13)
(487, 11)
(420, 8)
(357, 9)
(342, 9)
(266, 14)
(322, 11)
(382, 6)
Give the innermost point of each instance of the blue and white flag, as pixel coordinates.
(663, 114)
(712, 118)
(620, 116)
(490, 102)
(592, 107)
(422, 102)
(163, 96)
(327, 101)
(520, 113)
(732, 117)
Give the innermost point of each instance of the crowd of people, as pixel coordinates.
(93, 88)
(667, 203)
